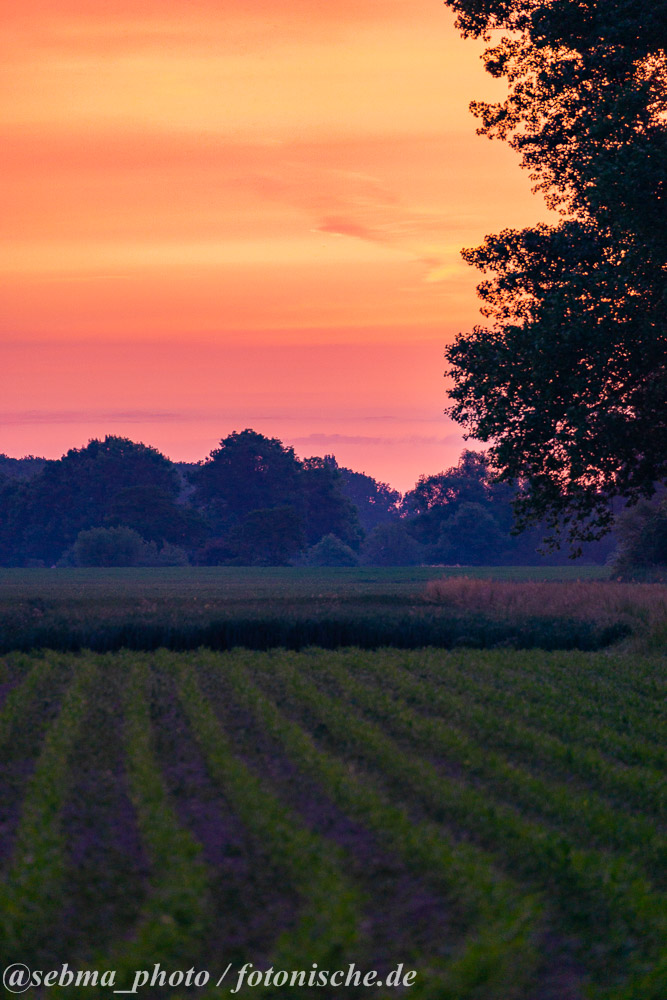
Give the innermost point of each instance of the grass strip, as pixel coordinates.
(498, 956)
(327, 931)
(608, 901)
(30, 896)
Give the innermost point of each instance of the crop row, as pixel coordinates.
(475, 802)
(497, 721)
(605, 717)
(499, 953)
(30, 893)
(585, 816)
(609, 899)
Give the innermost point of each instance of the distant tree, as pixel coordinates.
(331, 551)
(376, 502)
(41, 517)
(270, 537)
(436, 498)
(642, 537)
(471, 536)
(108, 547)
(569, 380)
(219, 551)
(391, 544)
(121, 546)
(154, 513)
(466, 482)
(247, 472)
(327, 510)
(20, 468)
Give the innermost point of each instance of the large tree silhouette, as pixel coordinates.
(568, 381)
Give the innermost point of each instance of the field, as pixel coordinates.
(265, 608)
(491, 819)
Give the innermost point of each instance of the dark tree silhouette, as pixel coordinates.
(270, 537)
(41, 517)
(327, 510)
(376, 502)
(156, 516)
(247, 472)
(569, 380)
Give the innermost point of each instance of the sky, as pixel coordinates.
(242, 214)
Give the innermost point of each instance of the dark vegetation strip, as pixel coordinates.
(404, 917)
(30, 896)
(327, 931)
(250, 901)
(582, 816)
(262, 631)
(620, 919)
(498, 955)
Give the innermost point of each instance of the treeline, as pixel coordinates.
(252, 502)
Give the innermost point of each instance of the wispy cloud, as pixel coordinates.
(362, 439)
(82, 416)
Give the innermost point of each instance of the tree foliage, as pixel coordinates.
(250, 472)
(569, 379)
(642, 534)
(327, 510)
(376, 502)
(391, 544)
(42, 516)
(247, 472)
(330, 551)
(108, 547)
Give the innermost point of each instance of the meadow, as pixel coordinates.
(264, 608)
(493, 819)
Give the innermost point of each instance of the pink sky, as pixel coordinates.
(242, 215)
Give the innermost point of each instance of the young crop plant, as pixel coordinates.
(478, 709)
(30, 895)
(497, 956)
(176, 913)
(584, 815)
(610, 902)
(328, 929)
(610, 717)
(19, 699)
(174, 917)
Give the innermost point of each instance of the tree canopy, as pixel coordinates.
(569, 379)
(247, 472)
(250, 475)
(42, 516)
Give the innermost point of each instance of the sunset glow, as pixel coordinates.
(242, 215)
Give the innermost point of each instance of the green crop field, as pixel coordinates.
(494, 820)
(434, 791)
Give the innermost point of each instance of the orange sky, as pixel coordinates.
(244, 214)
